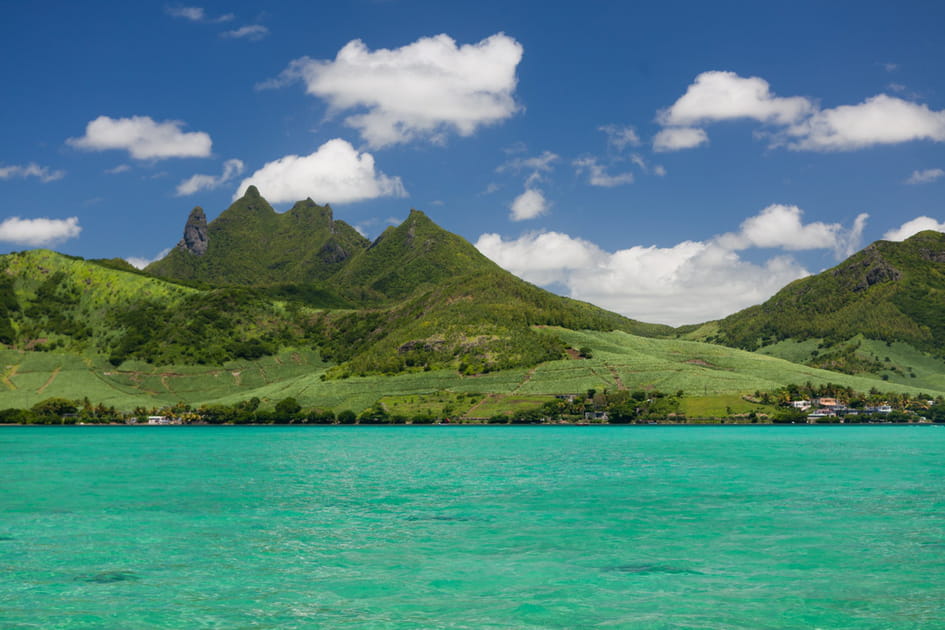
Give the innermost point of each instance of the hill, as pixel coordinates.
(848, 318)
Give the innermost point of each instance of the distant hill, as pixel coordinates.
(890, 292)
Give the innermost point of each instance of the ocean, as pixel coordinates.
(472, 527)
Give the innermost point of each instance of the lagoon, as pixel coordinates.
(472, 527)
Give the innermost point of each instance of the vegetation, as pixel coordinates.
(419, 326)
(889, 292)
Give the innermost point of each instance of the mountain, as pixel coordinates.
(252, 305)
(252, 244)
(889, 293)
(254, 282)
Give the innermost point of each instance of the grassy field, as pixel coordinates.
(904, 364)
(712, 377)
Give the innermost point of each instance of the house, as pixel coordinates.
(163, 420)
(803, 405)
(819, 414)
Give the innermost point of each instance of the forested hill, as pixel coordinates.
(893, 292)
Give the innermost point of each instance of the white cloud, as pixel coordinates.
(231, 169)
(143, 138)
(196, 14)
(140, 263)
(121, 168)
(38, 232)
(690, 282)
(528, 205)
(621, 137)
(881, 119)
(540, 163)
(597, 174)
(780, 226)
(676, 138)
(335, 173)
(716, 96)
(913, 227)
(659, 170)
(252, 32)
(801, 125)
(926, 176)
(418, 91)
(43, 173)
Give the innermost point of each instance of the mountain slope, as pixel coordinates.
(252, 244)
(889, 292)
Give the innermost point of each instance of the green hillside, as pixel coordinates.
(258, 304)
(890, 293)
(252, 244)
(620, 362)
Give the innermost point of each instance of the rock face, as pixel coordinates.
(195, 233)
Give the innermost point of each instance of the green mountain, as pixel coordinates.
(252, 244)
(255, 282)
(889, 294)
(420, 311)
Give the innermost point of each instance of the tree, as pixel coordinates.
(54, 407)
(286, 409)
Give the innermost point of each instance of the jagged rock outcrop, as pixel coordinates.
(195, 238)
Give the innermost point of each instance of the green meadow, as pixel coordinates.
(713, 379)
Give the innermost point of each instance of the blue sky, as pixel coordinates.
(672, 161)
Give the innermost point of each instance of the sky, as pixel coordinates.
(671, 161)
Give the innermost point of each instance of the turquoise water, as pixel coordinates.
(472, 527)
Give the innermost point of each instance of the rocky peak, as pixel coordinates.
(195, 233)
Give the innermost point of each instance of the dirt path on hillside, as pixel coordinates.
(525, 381)
(50, 380)
(470, 412)
(10, 373)
(613, 372)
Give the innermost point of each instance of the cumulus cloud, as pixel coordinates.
(143, 138)
(881, 119)
(528, 205)
(797, 122)
(231, 169)
(419, 91)
(597, 175)
(690, 282)
(676, 138)
(780, 226)
(43, 173)
(140, 262)
(716, 96)
(335, 173)
(252, 32)
(620, 137)
(926, 176)
(913, 227)
(38, 232)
